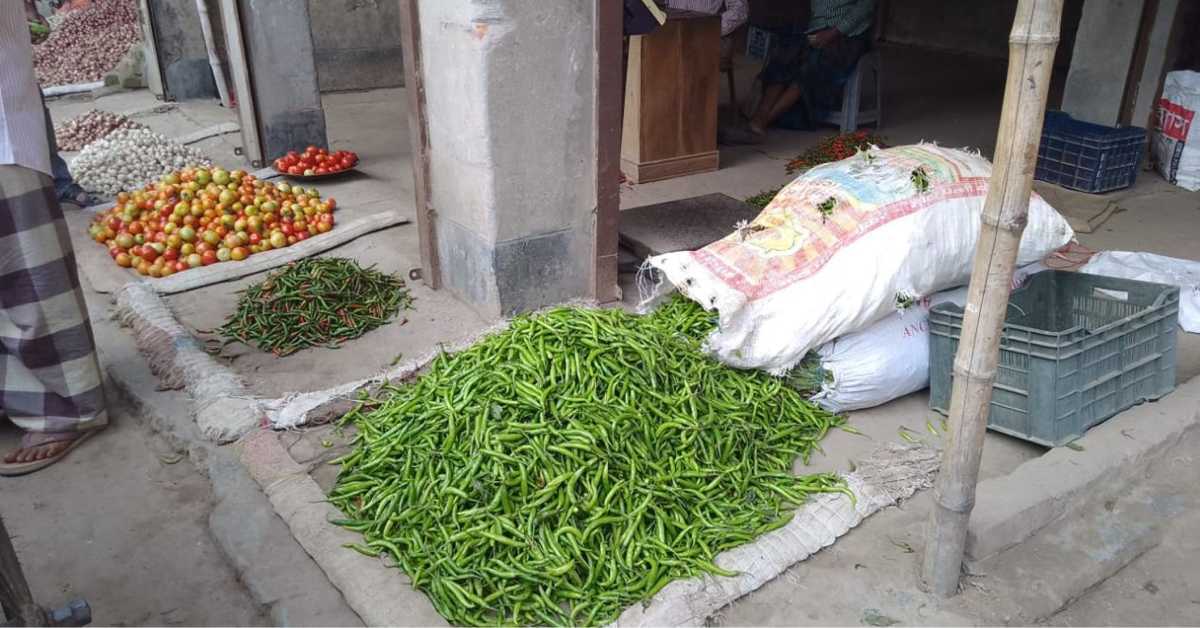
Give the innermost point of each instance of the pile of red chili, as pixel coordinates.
(835, 148)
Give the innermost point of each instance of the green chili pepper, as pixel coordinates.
(573, 464)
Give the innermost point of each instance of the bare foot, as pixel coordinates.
(37, 452)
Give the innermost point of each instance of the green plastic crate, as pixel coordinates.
(1076, 350)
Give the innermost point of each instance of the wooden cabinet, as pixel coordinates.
(671, 91)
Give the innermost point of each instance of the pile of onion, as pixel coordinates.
(88, 43)
(78, 132)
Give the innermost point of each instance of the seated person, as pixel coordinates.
(805, 74)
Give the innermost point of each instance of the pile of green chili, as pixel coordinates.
(321, 301)
(574, 464)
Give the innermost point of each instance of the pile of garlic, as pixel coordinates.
(128, 159)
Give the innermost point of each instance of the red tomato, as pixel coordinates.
(292, 154)
(281, 165)
(181, 266)
(286, 228)
(255, 238)
(322, 170)
(295, 170)
(208, 257)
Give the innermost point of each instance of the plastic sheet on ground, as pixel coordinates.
(1157, 269)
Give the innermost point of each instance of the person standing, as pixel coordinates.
(65, 187)
(50, 383)
(802, 80)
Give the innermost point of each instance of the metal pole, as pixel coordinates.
(1032, 45)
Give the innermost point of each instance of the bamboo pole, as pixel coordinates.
(1032, 44)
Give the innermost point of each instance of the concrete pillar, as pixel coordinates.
(357, 43)
(1149, 84)
(1104, 48)
(510, 100)
(279, 53)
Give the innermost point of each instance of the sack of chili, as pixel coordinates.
(840, 247)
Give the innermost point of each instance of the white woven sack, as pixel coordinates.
(885, 361)
(840, 246)
(1177, 132)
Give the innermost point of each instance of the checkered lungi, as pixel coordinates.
(49, 377)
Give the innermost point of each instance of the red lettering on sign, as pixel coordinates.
(1174, 120)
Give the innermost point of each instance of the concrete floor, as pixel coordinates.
(1161, 587)
(373, 124)
(960, 112)
(122, 523)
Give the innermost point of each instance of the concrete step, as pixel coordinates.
(1034, 580)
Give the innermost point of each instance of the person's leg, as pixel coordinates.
(65, 188)
(787, 98)
(50, 382)
(770, 96)
(780, 93)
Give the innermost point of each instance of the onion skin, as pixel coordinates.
(78, 132)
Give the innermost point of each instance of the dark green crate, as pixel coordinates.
(1076, 350)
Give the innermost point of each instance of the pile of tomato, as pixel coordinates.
(201, 216)
(316, 161)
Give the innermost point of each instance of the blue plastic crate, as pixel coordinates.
(1088, 157)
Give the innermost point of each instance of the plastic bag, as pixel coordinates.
(1159, 269)
(1177, 138)
(842, 246)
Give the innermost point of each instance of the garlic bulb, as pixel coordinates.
(130, 158)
